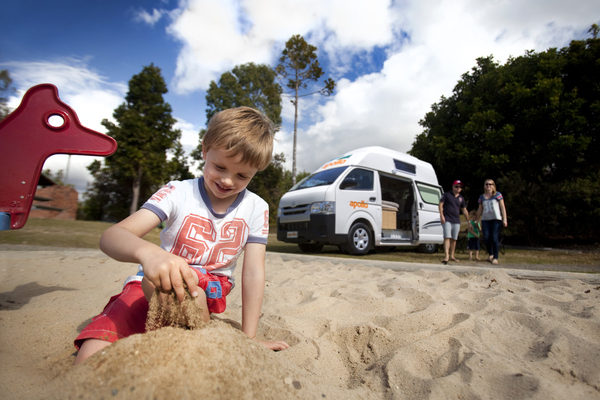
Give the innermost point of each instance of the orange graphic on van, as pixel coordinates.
(337, 161)
(362, 204)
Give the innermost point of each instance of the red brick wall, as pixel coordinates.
(62, 197)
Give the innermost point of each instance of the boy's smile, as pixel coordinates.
(225, 177)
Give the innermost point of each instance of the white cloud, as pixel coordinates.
(445, 38)
(149, 18)
(218, 34)
(211, 32)
(91, 95)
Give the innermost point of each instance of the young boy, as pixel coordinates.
(473, 236)
(209, 221)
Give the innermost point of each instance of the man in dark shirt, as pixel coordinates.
(451, 204)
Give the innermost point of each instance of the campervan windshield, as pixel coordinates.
(322, 178)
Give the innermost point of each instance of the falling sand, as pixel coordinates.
(171, 312)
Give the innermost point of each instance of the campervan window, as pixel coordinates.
(322, 178)
(429, 194)
(404, 166)
(363, 179)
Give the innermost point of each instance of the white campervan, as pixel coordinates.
(368, 197)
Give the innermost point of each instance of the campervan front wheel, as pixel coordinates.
(359, 239)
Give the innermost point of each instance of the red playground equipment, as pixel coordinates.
(41, 126)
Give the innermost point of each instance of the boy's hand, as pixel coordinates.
(276, 345)
(164, 270)
(167, 272)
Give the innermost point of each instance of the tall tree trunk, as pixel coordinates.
(295, 131)
(137, 182)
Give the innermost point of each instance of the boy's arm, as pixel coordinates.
(124, 242)
(253, 289)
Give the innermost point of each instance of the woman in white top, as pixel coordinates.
(493, 217)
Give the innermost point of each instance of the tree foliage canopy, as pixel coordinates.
(248, 85)
(533, 124)
(145, 136)
(299, 65)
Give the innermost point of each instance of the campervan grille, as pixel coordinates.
(301, 209)
(295, 212)
(295, 226)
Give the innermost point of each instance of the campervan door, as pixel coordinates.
(430, 228)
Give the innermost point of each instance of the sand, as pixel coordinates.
(357, 330)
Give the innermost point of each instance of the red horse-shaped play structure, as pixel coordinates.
(28, 136)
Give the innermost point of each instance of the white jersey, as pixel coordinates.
(203, 237)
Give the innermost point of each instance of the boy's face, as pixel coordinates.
(225, 176)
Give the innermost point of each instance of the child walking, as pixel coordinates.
(209, 221)
(473, 233)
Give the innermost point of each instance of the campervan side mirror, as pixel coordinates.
(348, 183)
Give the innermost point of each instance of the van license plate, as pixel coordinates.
(292, 235)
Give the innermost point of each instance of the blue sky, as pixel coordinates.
(391, 59)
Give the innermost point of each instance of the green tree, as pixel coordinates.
(299, 65)
(248, 85)
(594, 30)
(149, 151)
(5, 90)
(533, 124)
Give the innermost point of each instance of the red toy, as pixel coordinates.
(29, 135)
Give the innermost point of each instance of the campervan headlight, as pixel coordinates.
(326, 207)
(278, 212)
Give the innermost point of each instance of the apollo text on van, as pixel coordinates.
(369, 197)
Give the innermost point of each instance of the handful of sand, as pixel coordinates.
(166, 310)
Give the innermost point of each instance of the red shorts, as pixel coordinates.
(126, 313)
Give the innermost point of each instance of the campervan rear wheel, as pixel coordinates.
(359, 239)
(310, 248)
(428, 248)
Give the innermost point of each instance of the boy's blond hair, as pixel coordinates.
(241, 131)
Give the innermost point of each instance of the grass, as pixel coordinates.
(86, 234)
(57, 233)
(409, 254)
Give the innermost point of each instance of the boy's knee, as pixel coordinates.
(88, 348)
